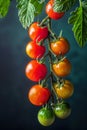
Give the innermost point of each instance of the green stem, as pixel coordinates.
(44, 20)
(80, 3)
(44, 57)
(49, 28)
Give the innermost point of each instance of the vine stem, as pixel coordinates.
(44, 20)
(80, 2)
(49, 28)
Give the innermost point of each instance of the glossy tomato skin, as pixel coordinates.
(35, 70)
(62, 110)
(37, 32)
(65, 91)
(51, 13)
(38, 95)
(46, 116)
(34, 50)
(62, 68)
(60, 47)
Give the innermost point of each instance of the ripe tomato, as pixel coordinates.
(37, 32)
(38, 95)
(46, 116)
(64, 91)
(62, 110)
(51, 13)
(62, 68)
(34, 50)
(60, 47)
(35, 71)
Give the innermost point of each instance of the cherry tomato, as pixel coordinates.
(62, 68)
(51, 13)
(37, 32)
(46, 116)
(65, 90)
(62, 110)
(35, 70)
(60, 47)
(38, 95)
(34, 50)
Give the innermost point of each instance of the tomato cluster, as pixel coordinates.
(51, 96)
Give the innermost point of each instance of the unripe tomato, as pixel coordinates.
(62, 68)
(37, 32)
(35, 70)
(64, 91)
(38, 95)
(60, 47)
(34, 50)
(62, 110)
(46, 116)
(51, 13)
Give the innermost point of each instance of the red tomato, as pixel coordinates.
(51, 13)
(35, 70)
(34, 50)
(37, 32)
(38, 95)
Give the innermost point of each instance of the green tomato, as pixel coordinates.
(46, 116)
(62, 110)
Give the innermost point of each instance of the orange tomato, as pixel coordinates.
(62, 68)
(60, 47)
(38, 95)
(64, 91)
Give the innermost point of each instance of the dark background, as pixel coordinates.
(16, 112)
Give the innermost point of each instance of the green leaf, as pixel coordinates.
(78, 19)
(63, 5)
(38, 4)
(27, 10)
(4, 6)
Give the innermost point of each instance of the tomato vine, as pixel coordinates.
(52, 95)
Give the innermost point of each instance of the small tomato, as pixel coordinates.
(38, 95)
(65, 90)
(46, 116)
(35, 70)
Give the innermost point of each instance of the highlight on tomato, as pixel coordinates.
(64, 90)
(51, 13)
(62, 110)
(62, 68)
(34, 50)
(60, 46)
(38, 95)
(46, 116)
(35, 70)
(37, 32)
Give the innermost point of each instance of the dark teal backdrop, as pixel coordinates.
(16, 112)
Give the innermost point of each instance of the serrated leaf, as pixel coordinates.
(78, 19)
(4, 6)
(25, 12)
(38, 4)
(63, 5)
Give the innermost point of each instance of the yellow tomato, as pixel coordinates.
(64, 91)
